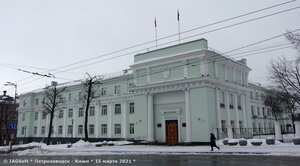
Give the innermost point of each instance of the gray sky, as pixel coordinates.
(49, 34)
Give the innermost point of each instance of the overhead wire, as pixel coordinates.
(149, 42)
(176, 40)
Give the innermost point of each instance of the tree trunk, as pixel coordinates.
(88, 100)
(50, 127)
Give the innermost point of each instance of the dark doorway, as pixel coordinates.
(171, 132)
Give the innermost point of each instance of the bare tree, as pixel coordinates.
(89, 95)
(286, 76)
(53, 101)
(273, 100)
(294, 38)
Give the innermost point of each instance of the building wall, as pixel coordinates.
(174, 81)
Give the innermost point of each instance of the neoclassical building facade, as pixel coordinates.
(177, 94)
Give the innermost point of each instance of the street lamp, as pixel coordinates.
(12, 84)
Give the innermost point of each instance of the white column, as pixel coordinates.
(185, 69)
(236, 113)
(188, 116)
(225, 76)
(109, 121)
(218, 109)
(244, 110)
(150, 118)
(65, 126)
(39, 124)
(278, 135)
(203, 67)
(179, 122)
(148, 75)
(75, 116)
(54, 124)
(47, 120)
(297, 129)
(216, 70)
(97, 110)
(229, 128)
(125, 120)
(163, 125)
(234, 72)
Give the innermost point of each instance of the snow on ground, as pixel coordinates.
(124, 147)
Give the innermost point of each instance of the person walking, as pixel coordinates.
(213, 142)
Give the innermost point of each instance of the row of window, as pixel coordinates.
(230, 100)
(117, 90)
(232, 123)
(81, 112)
(118, 129)
(257, 96)
(260, 111)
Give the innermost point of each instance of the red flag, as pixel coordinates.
(155, 22)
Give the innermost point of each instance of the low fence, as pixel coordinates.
(250, 132)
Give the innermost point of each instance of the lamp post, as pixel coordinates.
(13, 84)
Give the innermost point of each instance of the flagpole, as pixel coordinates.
(155, 32)
(178, 26)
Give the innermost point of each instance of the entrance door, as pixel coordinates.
(171, 132)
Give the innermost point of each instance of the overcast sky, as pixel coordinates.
(39, 35)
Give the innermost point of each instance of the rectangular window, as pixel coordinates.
(117, 89)
(130, 86)
(103, 91)
(43, 130)
(239, 103)
(70, 96)
(252, 111)
(251, 95)
(256, 95)
(35, 130)
(258, 111)
(91, 129)
(92, 111)
(80, 129)
(131, 108)
(70, 113)
(104, 129)
(104, 110)
(36, 116)
(254, 126)
(23, 116)
(60, 129)
(222, 99)
(80, 112)
(36, 101)
(232, 124)
(117, 128)
(44, 115)
(80, 96)
(231, 101)
(223, 125)
(117, 108)
(23, 130)
(131, 128)
(240, 124)
(70, 129)
(263, 112)
(61, 114)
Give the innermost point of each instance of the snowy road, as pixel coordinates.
(149, 160)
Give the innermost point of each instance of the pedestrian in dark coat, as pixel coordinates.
(213, 142)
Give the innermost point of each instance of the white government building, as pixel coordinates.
(177, 94)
